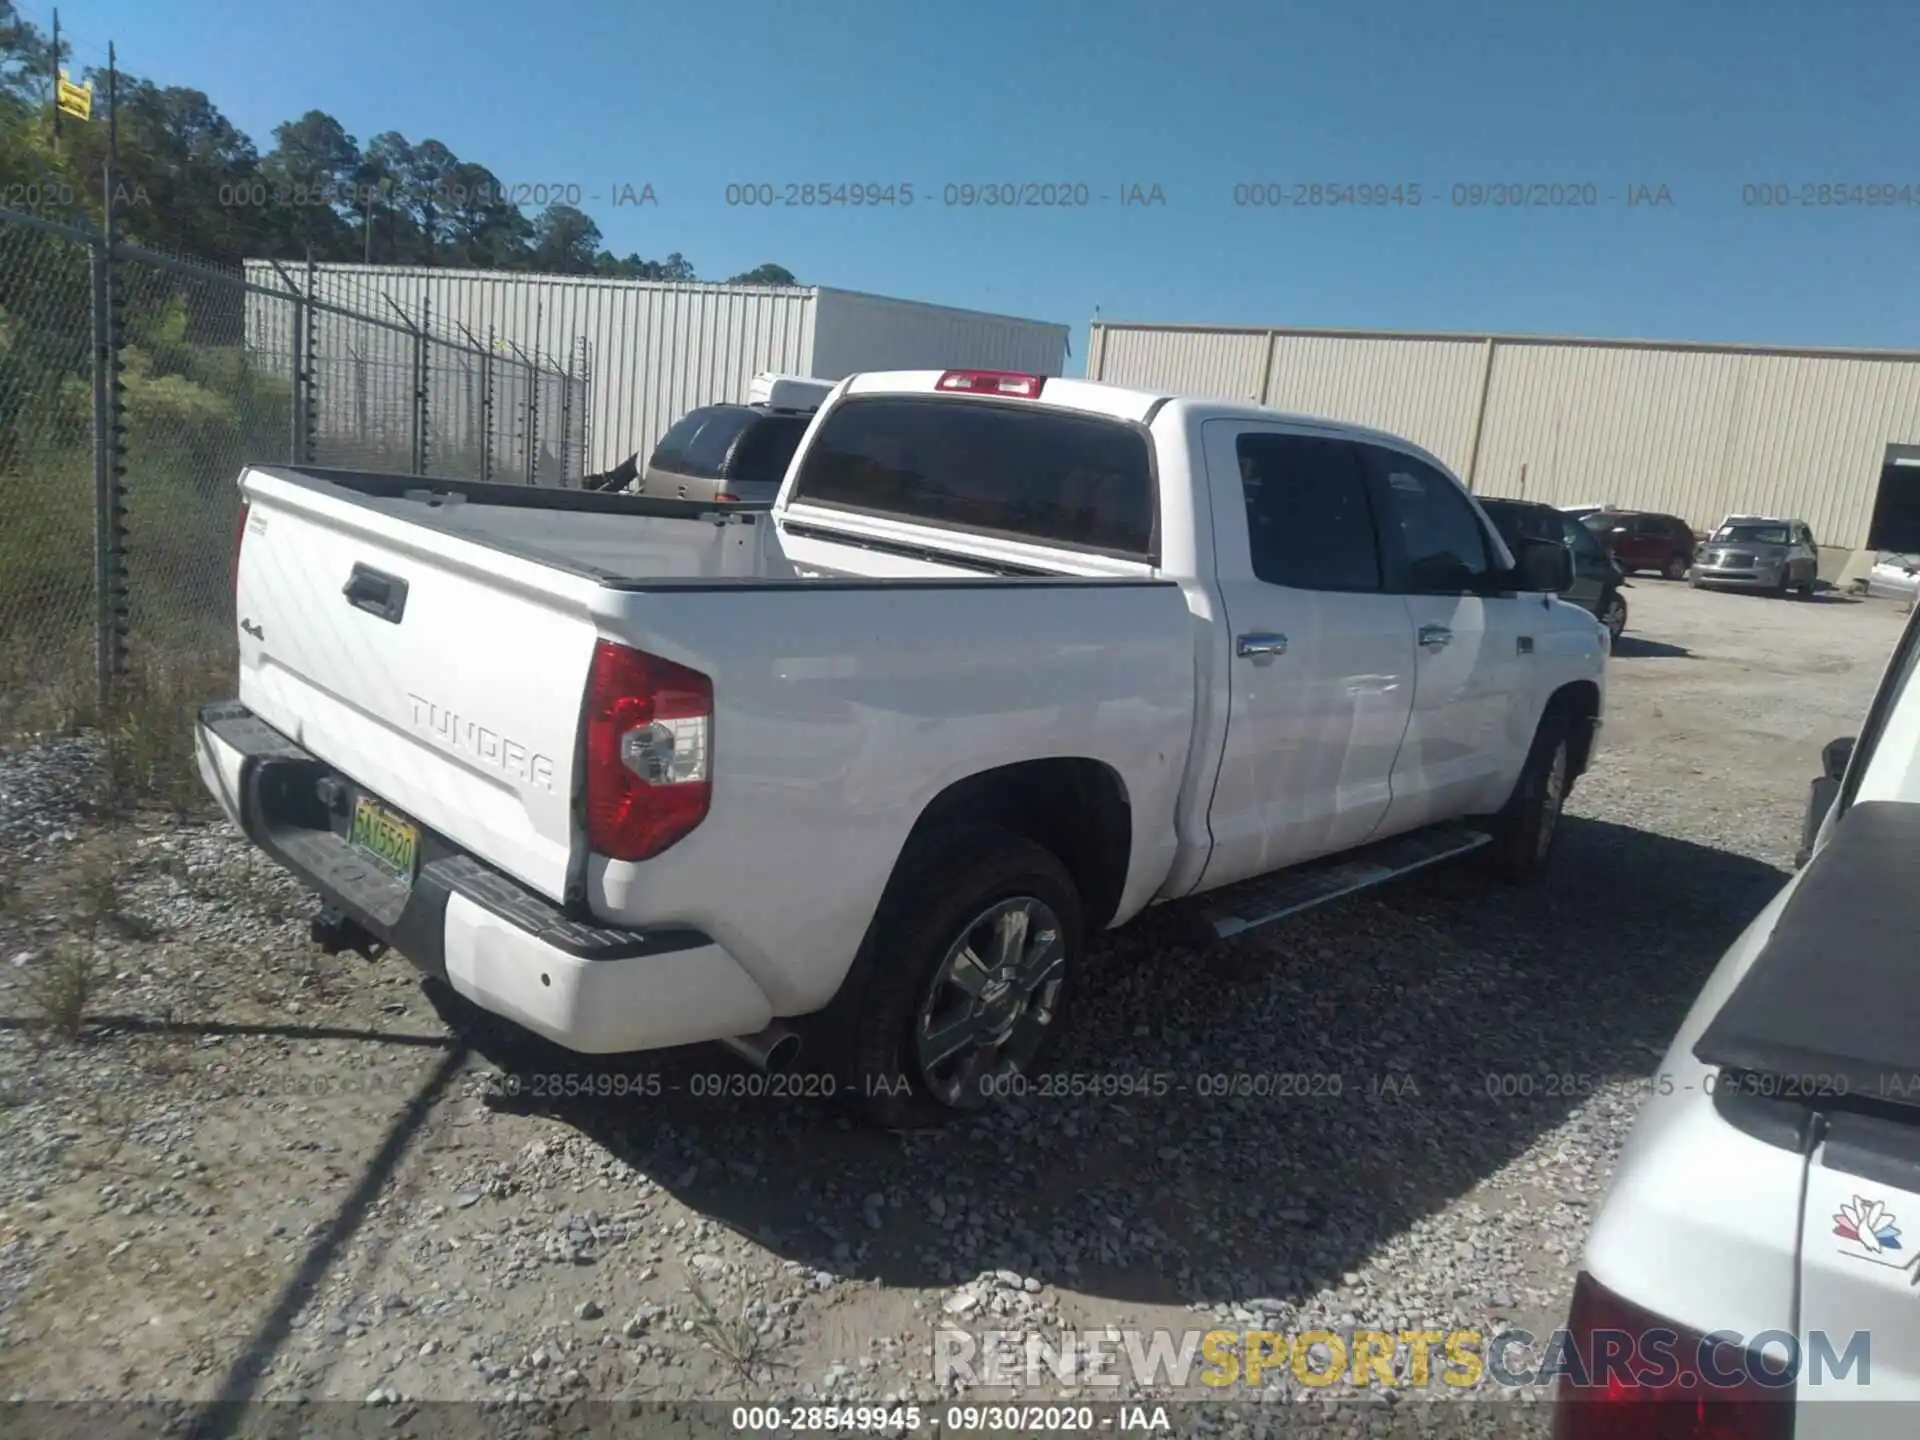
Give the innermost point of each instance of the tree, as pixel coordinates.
(308, 179)
(428, 172)
(26, 58)
(484, 230)
(388, 232)
(565, 241)
(186, 164)
(768, 274)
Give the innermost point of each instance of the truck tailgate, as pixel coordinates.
(447, 678)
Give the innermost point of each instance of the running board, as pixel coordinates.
(1241, 906)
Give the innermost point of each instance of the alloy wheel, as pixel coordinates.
(991, 1001)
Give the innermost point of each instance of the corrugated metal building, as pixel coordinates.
(1695, 430)
(655, 350)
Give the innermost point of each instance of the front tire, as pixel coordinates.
(1524, 832)
(972, 956)
(1676, 568)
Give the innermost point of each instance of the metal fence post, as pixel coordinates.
(421, 341)
(102, 481)
(300, 381)
(486, 408)
(109, 496)
(309, 302)
(566, 415)
(533, 416)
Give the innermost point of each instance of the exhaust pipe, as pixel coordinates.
(774, 1048)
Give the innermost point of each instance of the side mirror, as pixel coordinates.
(1835, 755)
(1543, 565)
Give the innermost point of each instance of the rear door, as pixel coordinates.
(1321, 674)
(1638, 539)
(443, 676)
(1469, 692)
(1592, 570)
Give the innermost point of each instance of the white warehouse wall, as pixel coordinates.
(1693, 429)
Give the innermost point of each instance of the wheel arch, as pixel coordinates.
(1576, 705)
(1076, 807)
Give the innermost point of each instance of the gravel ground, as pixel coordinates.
(264, 1173)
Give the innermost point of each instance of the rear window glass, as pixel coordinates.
(706, 453)
(1032, 473)
(672, 449)
(765, 451)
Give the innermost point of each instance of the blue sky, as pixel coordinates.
(1702, 98)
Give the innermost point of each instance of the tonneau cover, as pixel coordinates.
(1832, 1002)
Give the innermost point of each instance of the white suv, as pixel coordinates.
(1758, 1256)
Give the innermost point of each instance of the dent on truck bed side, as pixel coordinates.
(843, 711)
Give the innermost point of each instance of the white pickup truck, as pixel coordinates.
(1008, 660)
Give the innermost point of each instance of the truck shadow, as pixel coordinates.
(1635, 647)
(1248, 1120)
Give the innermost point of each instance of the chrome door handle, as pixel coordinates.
(1260, 644)
(1435, 636)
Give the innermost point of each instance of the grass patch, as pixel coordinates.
(146, 732)
(736, 1341)
(60, 987)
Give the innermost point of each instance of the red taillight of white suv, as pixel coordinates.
(1650, 1379)
(649, 752)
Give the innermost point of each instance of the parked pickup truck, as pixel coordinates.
(1007, 661)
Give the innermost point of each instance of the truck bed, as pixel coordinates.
(608, 537)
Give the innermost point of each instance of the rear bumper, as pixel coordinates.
(589, 987)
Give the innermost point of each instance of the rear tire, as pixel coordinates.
(1614, 616)
(1524, 831)
(1806, 588)
(961, 956)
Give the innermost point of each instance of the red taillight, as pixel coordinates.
(233, 567)
(649, 752)
(993, 382)
(1646, 1378)
(725, 499)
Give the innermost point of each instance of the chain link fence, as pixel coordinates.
(48, 595)
(134, 388)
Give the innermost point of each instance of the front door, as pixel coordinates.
(1459, 756)
(1320, 670)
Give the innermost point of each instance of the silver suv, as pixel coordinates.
(1758, 552)
(724, 454)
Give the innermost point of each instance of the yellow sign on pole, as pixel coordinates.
(76, 100)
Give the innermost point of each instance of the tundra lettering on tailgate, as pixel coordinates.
(488, 746)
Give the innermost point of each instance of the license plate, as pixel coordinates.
(384, 838)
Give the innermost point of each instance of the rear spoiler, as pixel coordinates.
(1828, 1009)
